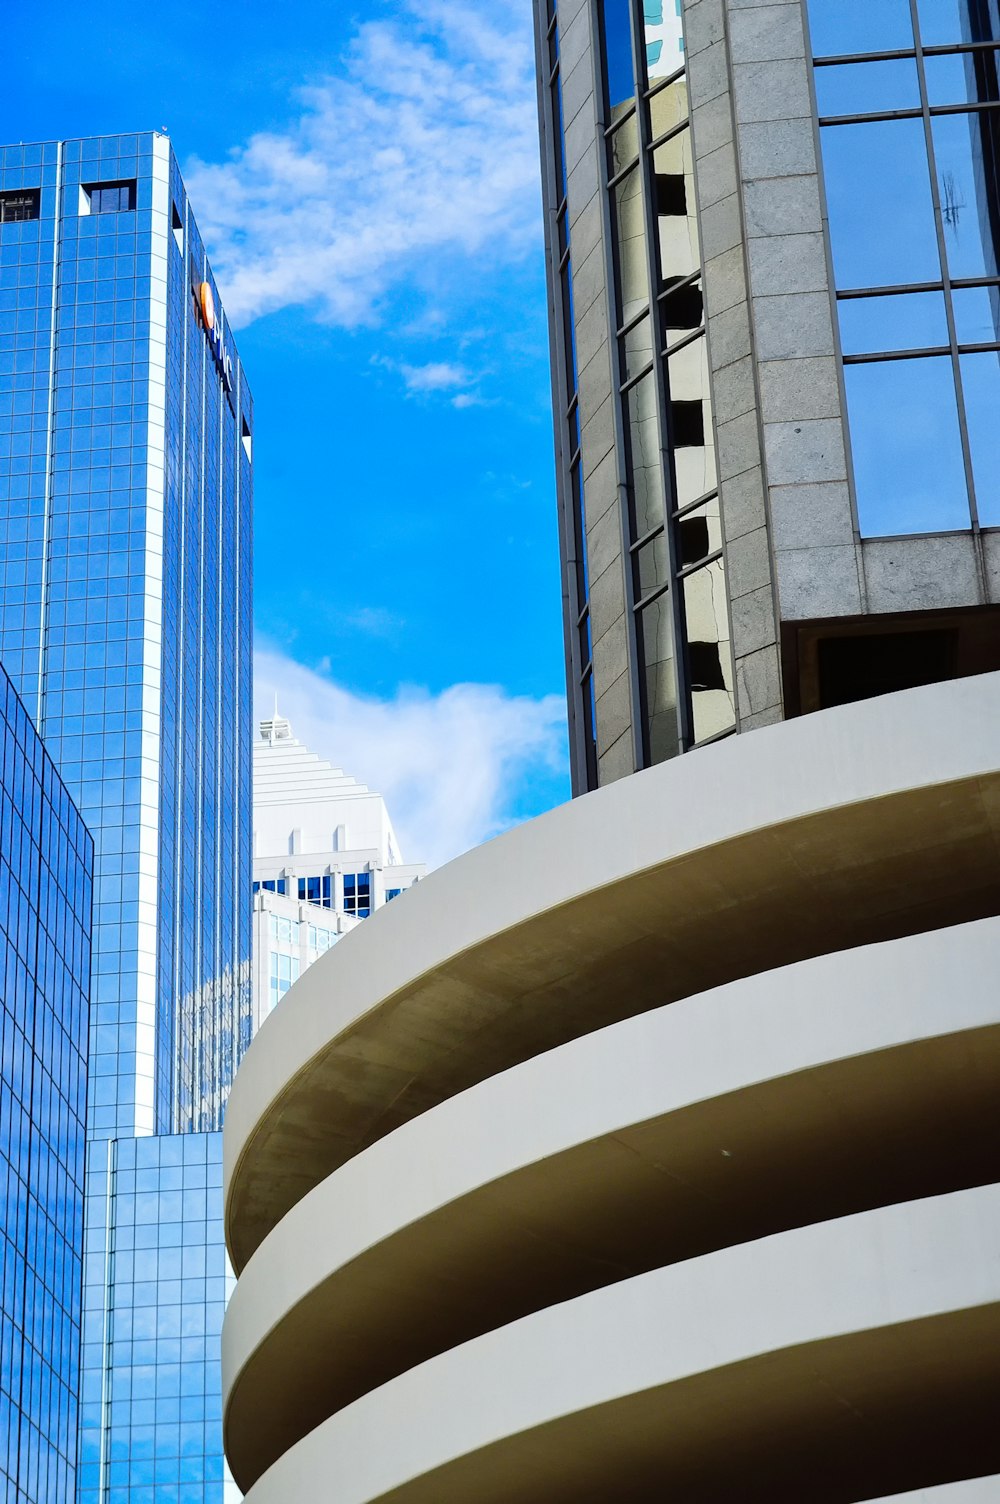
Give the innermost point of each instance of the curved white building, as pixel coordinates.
(650, 1151)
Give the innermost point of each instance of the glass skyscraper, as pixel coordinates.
(125, 622)
(46, 859)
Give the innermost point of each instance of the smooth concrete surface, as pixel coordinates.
(827, 1363)
(838, 1084)
(864, 823)
(970, 1491)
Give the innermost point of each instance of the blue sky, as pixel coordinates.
(366, 180)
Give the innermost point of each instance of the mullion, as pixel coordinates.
(949, 308)
(685, 710)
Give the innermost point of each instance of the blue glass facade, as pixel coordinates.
(125, 621)
(46, 858)
(155, 1240)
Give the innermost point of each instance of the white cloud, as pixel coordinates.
(453, 767)
(417, 154)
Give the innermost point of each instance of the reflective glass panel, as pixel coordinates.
(663, 38)
(951, 21)
(624, 144)
(965, 149)
(881, 219)
(838, 29)
(907, 321)
(673, 168)
(656, 636)
(633, 271)
(958, 77)
(683, 310)
(977, 315)
(668, 108)
(618, 50)
(709, 657)
(652, 566)
(644, 446)
(864, 88)
(691, 422)
(981, 390)
(700, 533)
(637, 348)
(908, 466)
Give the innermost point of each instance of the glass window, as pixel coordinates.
(865, 88)
(839, 30)
(700, 533)
(644, 453)
(966, 153)
(633, 272)
(706, 617)
(110, 198)
(652, 566)
(663, 38)
(908, 465)
(881, 222)
(695, 470)
(977, 315)
(906, 321)
(19, 204)
(961, 77)
(981, 390)
(637, 348)
(357, 894)
(680, 252)
(656, 644)
(683, 307)
(618, 51)
(944, 22)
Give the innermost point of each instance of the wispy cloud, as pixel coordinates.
(437, 378)
(418, 152)
(453, 767)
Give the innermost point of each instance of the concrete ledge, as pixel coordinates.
(832, 1363)
(866, 823)
(836, 1085)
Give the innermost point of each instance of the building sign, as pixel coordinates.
(211, 322)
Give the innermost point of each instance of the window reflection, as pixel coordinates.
(977, 315)
(944, 21)
(864, 88)
(633, 273)
(644, 452)
(709, 662)
(618, 51)
(691, 422)
(966, 152)
(838, 29)
(905, 321)
(981, 389)
(879, 198)
(908, 465)
(656, 634)
(961, 77)
(663, 38)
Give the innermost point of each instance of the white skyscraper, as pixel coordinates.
(325, 856)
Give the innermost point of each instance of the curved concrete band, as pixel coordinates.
(837, 1084)
(827, 1363)
(801, 839)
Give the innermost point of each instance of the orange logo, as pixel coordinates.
(207, 305)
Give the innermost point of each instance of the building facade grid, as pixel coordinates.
(46, 859)
(916, 88)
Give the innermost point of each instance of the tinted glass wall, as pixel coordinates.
(151, 1421)
(125, 615)
(46, 858)
(909, 104)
